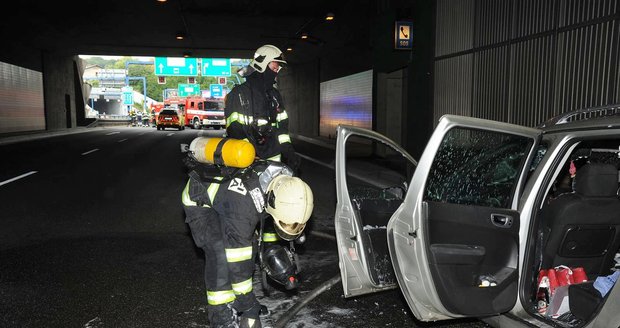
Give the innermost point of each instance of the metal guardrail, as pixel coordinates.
(114, 117)
(582, 115)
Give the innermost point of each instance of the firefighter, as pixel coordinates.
(132, 114)
(255, 110)
(222, 213)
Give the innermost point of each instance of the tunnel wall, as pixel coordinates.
(525, 61)
(59, 88)
(21, 99)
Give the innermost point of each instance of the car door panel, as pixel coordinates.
(463, 258)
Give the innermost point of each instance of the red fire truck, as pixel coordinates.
(199, 112)
(156, 107)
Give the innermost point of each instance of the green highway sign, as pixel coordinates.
(176, 66)
(127, 95)
(215, 66)
(188, 89)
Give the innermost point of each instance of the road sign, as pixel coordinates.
(127, 95)
(191, 80)
(216, 66)
(188, 90)
(403, 35)
(221, 80)
(161, 80)
(176, 66)
(216, 90)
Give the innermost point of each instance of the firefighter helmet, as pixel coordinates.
(265, 55)
(290, 203)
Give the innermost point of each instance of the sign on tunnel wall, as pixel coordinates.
(21, 96)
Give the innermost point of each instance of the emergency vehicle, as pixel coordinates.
(199, 111)
(156, 107)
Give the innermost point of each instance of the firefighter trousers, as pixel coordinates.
(227, 242)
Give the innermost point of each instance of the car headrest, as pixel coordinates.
(597, 180)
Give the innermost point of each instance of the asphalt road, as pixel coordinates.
(93, 235)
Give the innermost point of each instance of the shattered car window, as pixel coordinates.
(475, 167)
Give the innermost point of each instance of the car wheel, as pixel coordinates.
(196, 124)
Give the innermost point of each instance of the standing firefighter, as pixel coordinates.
(255, 111)
(223, 211)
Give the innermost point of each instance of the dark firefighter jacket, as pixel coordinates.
(255, 112)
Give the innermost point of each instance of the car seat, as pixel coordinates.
(584, 226)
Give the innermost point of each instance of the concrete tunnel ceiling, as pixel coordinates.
(232, 28)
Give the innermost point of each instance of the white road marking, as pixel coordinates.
(17, 178)
(122, 140)
(111, 133)
(170, 134)
(90, 151)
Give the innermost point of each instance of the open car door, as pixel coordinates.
(454, 239)
(372, 176)
(454, 242)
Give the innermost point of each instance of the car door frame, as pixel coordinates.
(354, 271)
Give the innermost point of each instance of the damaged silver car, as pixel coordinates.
(469, 230)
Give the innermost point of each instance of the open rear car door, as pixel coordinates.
(453, 239)
(372, 173)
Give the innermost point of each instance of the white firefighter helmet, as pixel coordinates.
(290, 203)
(265, 55)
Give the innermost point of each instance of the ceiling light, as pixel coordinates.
(187, 54)
(180, 36)
(304, 36)
(162, 1)
(289, 48)
(329, 17)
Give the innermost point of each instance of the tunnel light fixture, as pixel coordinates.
(329, 17)
(304, 36)
(289, 48)
(162, 1)
(180, 36)
(187, 54)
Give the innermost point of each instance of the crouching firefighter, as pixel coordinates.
(227, 195)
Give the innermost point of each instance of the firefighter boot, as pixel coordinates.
(251, 317)
(221, 316)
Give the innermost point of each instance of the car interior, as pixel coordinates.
(578, 226)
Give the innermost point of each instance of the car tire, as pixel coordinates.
(196, 124)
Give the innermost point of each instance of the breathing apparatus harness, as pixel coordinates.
(261, 126)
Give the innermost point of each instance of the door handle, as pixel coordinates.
(501, 220)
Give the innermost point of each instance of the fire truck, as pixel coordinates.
(155, 109)
(199, 112)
